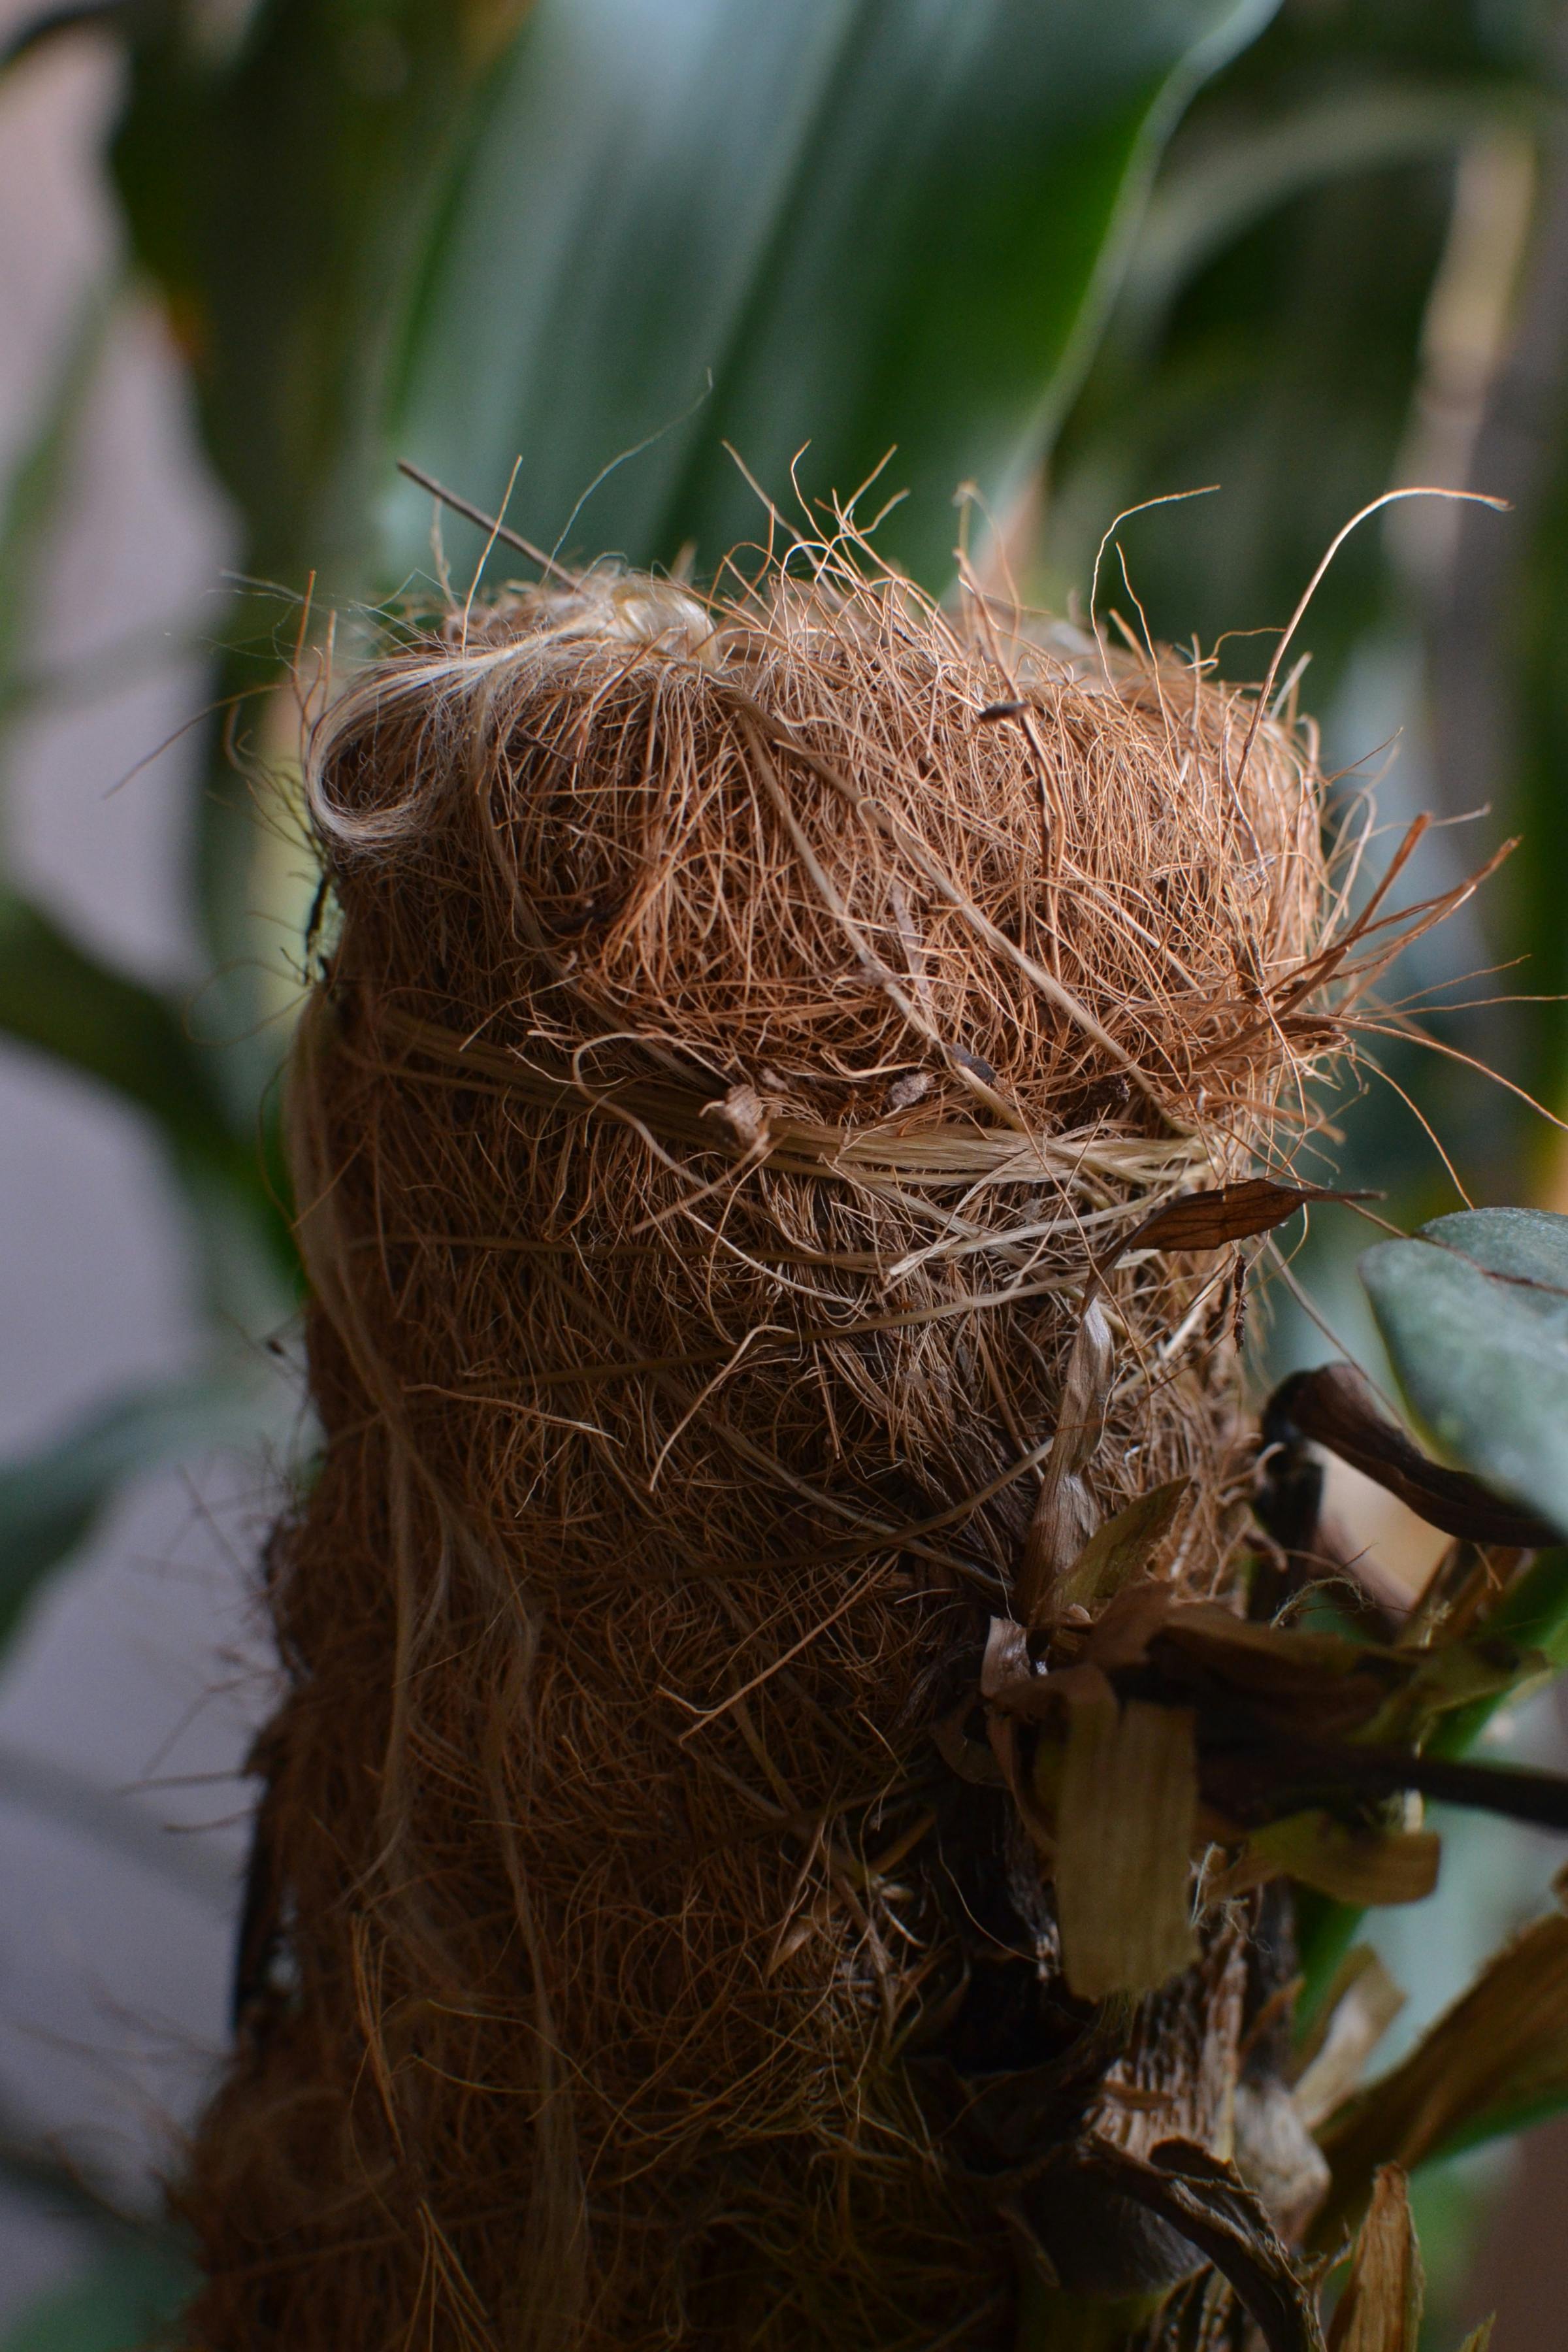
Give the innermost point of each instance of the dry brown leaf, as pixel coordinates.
(1119, 1550)
(1360, 1866)
(1064, 1515)
(1230, 1213)
(971, 1759)
(1380, 2310)
(1319, 1684)
(1362, 2004)
(1121, 1634)
(1126, 1819)
(1006, 1667)
(1210, 2206)
(1335, 1408)
(1501, 2048)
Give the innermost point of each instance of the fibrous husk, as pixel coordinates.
(750, 1022)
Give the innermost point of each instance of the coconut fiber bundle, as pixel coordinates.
(771, 1135)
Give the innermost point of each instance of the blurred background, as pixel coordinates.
(1074, 256)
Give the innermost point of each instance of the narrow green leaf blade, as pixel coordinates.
(1474, 1313)
(1334, 135)
(52, 1500)
(32, 493)
(58, 997)
(105, 1025)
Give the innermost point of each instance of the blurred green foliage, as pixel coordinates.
(605, 237)
(1348, 278)
(1268, 335)
(127, 2297)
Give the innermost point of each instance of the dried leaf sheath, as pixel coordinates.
(703, 1136)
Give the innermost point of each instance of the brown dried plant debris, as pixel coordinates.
(749, 1022)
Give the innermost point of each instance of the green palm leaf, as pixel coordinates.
(864, 224)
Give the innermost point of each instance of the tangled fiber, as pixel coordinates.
(746, 1023)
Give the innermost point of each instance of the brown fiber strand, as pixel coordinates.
(738, 1039)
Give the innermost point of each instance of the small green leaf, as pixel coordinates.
(1474, 1313)
(1532, 1616)
(1121, 1548)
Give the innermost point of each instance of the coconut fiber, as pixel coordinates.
(747, 1022)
